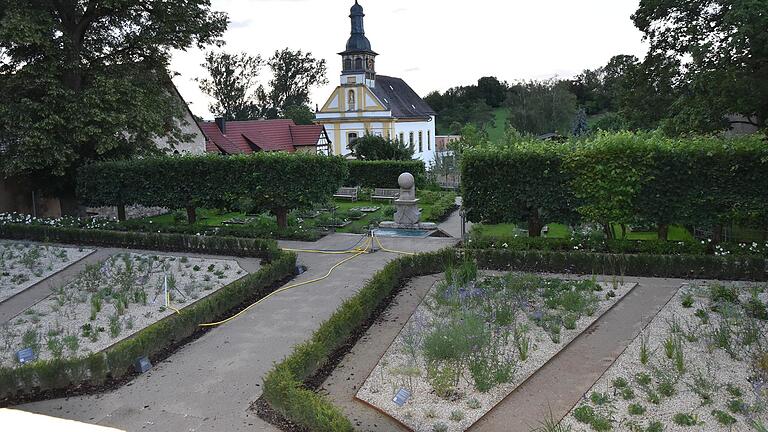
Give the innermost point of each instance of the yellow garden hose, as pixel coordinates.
(390, 250)
(357, 252)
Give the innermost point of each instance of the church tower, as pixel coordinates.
(358, 59)
(367, 103)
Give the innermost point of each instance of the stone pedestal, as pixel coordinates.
(407, 214)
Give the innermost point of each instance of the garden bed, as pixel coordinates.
(472, 341)
(23, 265)
(701, 364)
(110, 301)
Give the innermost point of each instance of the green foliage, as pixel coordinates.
(584, 414)
(523, 183)
(636, 409)
(382, 173)
(91, 81)
(621, 178)
(373, 147)
(232, 84)
(723, 417)
(685, 419)
(276, 182)
(294, 73)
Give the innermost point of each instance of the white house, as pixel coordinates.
(367, 103)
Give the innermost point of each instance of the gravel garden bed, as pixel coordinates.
(701, 364)
(110, 301)
(473, 340)
(23, 265)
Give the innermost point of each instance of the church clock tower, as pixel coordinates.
(358, 60)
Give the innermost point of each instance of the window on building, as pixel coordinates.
(421, 141)
(351, 137)
(410, 139)
(358, 64)
(347, 64)
(351, 105)
(429, 140)
(402, 137)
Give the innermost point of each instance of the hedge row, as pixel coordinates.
(118, 360)
(383, 173)
(284, 386)
(481, 240)
(276, 182)
(620, 178)
(233, 246)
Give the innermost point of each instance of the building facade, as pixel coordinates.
(368, 103)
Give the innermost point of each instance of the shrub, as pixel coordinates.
(383, 173)
(636, 409)
(277, 182)
(685, 419)
(584, 414)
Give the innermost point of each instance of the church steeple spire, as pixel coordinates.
(358, 58)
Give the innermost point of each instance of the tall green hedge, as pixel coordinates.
(525, 183)
(622, 178)
(117, 361)
(277, 182)
(383, 173)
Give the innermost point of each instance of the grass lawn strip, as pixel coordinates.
(23, 265)
(700, 364)
(110, 301)
(522, 322)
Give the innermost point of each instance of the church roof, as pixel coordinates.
(400, 98)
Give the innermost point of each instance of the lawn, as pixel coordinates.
(497, 128)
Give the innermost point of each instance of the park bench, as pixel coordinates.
(385, 194)
(347, 193)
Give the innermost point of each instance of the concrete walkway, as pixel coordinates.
(452, 225)
(209, 384)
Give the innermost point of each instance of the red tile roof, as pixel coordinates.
(260, 135)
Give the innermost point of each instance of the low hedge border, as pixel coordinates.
(285, 386)
(233, 246)
(115, 363)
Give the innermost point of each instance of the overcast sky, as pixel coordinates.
(432, 44)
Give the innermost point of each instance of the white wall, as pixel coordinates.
(195, 147)
(428, 149)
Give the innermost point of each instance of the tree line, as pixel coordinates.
(706, 70)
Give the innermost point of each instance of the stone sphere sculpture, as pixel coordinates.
(406, 181)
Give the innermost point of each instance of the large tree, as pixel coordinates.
(722, 46)
(88, 80)
(539, 107)
(294, 73)
(231, 83)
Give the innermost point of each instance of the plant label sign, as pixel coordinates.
(26, 355)
(142, 365)
(401, 397)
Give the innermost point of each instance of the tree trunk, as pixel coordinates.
(608, 230)
(663, 232)
(282, 217)
(191, 215)
(717, 234)
(534, 226)
(121, 213)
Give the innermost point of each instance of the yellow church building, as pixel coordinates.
(367, 103)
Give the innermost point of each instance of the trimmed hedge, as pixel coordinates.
(621, 178)
(117, 361)
(284, 386)
(277, 182)
(259, 248)
(383, 173)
